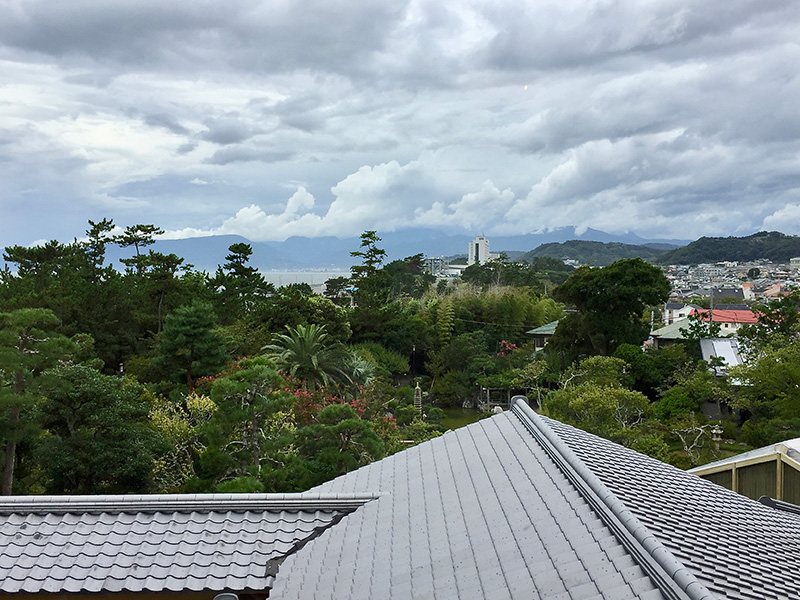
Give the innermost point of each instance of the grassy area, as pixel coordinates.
(458, 417)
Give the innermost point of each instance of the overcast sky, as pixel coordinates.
(671, 119)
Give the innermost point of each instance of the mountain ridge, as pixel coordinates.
(332, 253)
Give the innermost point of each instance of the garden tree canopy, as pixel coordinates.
(96, 247)
(687, 390)
(408, 277)
(99, 437)
(337, 443)
(291, 307)
(251, 432)
(161, 279)
(29, 344)
(368, 278)
(139, 236)
(189, 344)
(308, 353)
(240, 287)
(593, 399)
(770, 393)
(609, 304)
(778, 324)
(641, 374)
(540, 272)
(181, 424)
(336, 290)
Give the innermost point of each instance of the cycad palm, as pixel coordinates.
(311, 355)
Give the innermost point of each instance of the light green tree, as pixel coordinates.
(309, 354)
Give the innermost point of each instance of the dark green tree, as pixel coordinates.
(368, 278)
(99, 238)
(189, 343)
(609, 303)
(139, 236)
(29, 344)
(250, 436)
(407, 277)
(337, 443)
(99, 439)
(778, 324)
(336, 290)
(239, 286)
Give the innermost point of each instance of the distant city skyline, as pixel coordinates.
(278, 119)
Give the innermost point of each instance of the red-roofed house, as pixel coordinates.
(729, 320)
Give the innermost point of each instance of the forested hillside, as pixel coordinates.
(770, 245)
(596, 253)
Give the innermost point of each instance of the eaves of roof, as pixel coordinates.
(788, 450)
(547, 329)
(737, 547)
(158, 544)
(673, 330)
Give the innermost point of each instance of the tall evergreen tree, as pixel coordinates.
(139, 236)
(189, 343)
(28, 345)
(240, 287)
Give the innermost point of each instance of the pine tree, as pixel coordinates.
(190, 344)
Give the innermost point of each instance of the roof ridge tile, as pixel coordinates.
(671, 576)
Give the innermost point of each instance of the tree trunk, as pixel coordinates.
(160, 305)
(10, 453)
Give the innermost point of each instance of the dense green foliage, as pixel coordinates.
(538, 273)
(609, 304)
(772, 245)
(138, 379)
(159, 378)
(596, 253)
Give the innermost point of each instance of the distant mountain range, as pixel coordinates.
(331, 253)
(590, 246)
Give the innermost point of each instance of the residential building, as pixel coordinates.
(729, 320)
(674, 311)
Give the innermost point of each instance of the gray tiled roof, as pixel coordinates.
(482, 512)
(739, 548)
(157, 543)
(519, 506)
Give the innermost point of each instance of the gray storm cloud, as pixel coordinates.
(327, 118)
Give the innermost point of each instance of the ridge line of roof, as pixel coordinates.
(780, 505)
(670, 575)
(183, 503)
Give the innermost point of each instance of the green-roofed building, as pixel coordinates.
(542, 334)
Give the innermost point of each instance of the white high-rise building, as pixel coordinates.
(478, 251)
